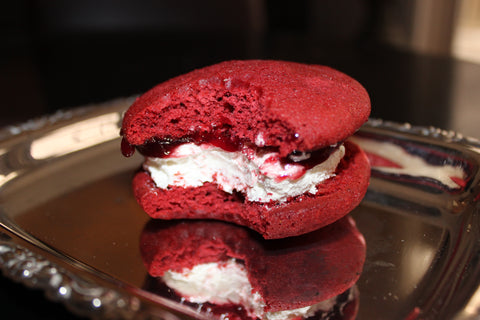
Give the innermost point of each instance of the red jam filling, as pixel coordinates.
(316, 157)
(163, 148)
(127, 149)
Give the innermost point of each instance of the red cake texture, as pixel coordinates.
(292, 107)
(295, 106)
(288, 273)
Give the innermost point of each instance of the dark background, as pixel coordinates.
(61, 54)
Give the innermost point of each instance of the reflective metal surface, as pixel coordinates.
(70, 224)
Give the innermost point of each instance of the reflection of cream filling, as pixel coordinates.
(410, 164)
(227, 283)
(262, 177)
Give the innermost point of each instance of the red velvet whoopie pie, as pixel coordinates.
(259, 143)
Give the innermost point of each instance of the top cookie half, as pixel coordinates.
(286, 105)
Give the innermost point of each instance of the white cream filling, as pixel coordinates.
(261, 177)
(227, 282)
(216, 283)
(303, 313)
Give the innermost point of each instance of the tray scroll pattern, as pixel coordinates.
(78, 295)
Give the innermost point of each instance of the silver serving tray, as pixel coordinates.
(70, 225)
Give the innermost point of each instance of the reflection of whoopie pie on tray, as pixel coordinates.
(229, 270)
(258, 143)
